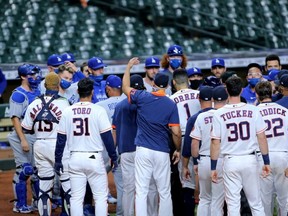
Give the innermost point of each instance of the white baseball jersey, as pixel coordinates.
(276, 119)
(110, 104)
(187, 103)
(83, 122)
(71, 94)
(44, 130)
(237, 126)
(202, 129)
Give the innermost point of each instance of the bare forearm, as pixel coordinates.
(263, 145)
(185, 162)
(195, 148)
(17, 126)
(215, 149)
(126, 80)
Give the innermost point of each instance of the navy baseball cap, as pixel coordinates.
(54, 60)
(114, 81)
(251, 65)
(68, 57)
(194, 71)
(218, 62)
(175, 50)
(136, 81)
(284, 81)
(96, 63)
(220, 93)
(152, 62)
(271, 74)
(212, 81)
(206, 93)
(161, 80)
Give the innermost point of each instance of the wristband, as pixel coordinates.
(213, 164)
(266, 159)
(195, 160)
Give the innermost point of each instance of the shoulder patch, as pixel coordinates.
(18, 97)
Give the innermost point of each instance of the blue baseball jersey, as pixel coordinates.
(283, 102)
(124, 122)
(186, 151)
(3, 82)
(155, 113)
(77, 76)
(99, 91)
(249, 95)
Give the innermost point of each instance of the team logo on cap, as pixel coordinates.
(175, 50)
(153, 60)
(68, 56)
(195, 70)
(59, 59)
(98, 60)
(217, 61)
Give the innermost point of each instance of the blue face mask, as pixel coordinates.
(175, 63)
(65, 84)
(34, 82)
(51, 92)
(253, 81)
(96, 78)
(56, 70)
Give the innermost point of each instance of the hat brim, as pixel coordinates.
(175, 54)
(196, 73)
(217, 65)
(267, 78)
(99, 66)
(152, 65)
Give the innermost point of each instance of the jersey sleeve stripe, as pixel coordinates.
(214, 137)
(26, 127)
(61, 132)
(113, 126)
(263, 130)
(103, 131)
(195, 137)
(171, 125)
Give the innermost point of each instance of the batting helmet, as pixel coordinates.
(28, 69)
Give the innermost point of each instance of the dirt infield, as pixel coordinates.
(6, 194)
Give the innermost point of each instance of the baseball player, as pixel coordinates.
(211, 194)
(69, 60)
(195, 77)
(86, 127)
(152, 65)
(53, 62)
(42, 118)
(218, 67)
(156, 116)
(22, 143)
(236, 126)
(187, 101)
(276, 119)
(114, 92)
(205, 97)
(96, 68)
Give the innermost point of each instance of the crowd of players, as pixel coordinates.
(161, 131)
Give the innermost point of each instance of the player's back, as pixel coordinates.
(237, 126)
(110, 104)
(188, 104)
(276, 119)
(82, 123)
(202, 129)
(45, 129)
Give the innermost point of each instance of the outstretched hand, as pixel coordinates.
(176, 157)
(133, 61)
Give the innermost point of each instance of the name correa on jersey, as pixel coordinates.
(184, 97)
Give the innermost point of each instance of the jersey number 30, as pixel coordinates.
(241, 130)
(82, 127)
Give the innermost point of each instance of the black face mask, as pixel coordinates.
(194, 84)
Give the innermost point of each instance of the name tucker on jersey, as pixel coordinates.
(237, 114)
(52, 107)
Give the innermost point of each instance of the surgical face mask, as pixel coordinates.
(175, 63)
(65, 84)
(194, 84)
(253, 81)
(96, 78)
(33, 83)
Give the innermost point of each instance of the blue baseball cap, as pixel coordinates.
(96, 63)
(175, 50)
(114, 81)
(54, 60)
(194, 71)
(27, 69)
(271, 74)
(206, 93)
(284, 81)
(220, 93)
(218, 62)
(68, 57)
(152, 62)
(161, 80)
